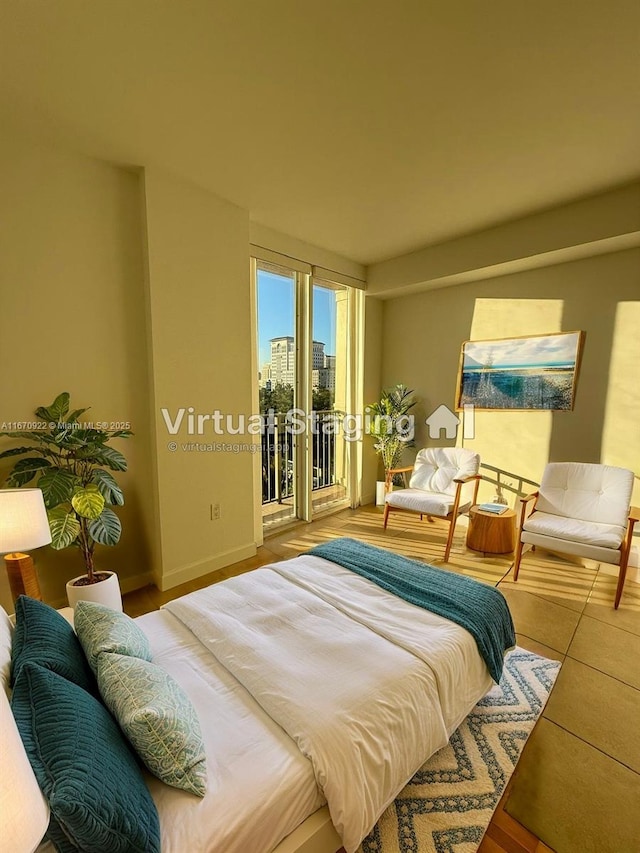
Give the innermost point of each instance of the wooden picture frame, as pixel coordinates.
(525, 373)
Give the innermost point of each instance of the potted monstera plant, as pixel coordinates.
(389, 422)
(72, 463)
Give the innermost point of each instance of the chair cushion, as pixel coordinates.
(595, 493)
(416, 500)
(86, 770)
(436, 468)
(44, 636)
(576, 549)
(101, 629)
(575, 530)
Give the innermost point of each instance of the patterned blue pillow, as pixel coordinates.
(45, 637)
(101, 629)
(97, 795)
(158, 718)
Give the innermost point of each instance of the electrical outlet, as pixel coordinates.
(215, 512)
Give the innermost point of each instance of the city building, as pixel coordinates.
(283, 360)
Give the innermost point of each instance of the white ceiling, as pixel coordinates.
(366, 127)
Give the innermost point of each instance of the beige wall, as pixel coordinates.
(72, 308)
(200, 345)
(423, 333)
(276, 241)
(373, 356)
(130, 291)
(597, 224)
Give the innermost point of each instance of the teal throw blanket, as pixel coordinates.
(481, 609)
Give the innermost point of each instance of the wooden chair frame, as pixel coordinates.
(452, 517)
(625, 545)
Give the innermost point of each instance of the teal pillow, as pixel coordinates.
(158, 718)
(86, 770)
(45, 637)
(101, 629)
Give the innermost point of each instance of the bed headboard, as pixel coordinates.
(24, 810)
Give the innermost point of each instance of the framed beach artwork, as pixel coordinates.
(527, 373)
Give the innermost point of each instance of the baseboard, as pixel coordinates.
(205, 567)
(129, 584)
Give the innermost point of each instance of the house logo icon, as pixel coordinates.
(443, 418)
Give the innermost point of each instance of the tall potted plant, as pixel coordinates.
(389, 420)
(71, 461)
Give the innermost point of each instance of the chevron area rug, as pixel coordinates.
(448, 804)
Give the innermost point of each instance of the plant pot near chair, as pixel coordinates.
(391, 427)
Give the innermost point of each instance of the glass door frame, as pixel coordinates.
(303, 396)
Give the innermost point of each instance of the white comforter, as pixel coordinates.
(368, 686)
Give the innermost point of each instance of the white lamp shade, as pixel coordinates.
(24, 810)
(23, 520)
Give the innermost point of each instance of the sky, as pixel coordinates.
(546, 349)
(276, 313)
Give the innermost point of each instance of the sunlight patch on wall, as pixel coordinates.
(513, 441)
(621, 432)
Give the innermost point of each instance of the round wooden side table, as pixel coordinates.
(491, 533)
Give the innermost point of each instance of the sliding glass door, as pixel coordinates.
(330, 394)
(304, 391)
(277, 369)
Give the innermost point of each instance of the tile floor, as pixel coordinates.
(577, 786)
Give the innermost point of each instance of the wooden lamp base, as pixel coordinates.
(23, 579)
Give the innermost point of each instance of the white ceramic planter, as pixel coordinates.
(105, 592)
(380, 492)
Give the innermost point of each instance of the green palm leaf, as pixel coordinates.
(16, 451)
(105, 530)
(26, 469)
(64, 527)
(40, 436)
(57, 410)
(87, 501)
(108, 456)
(109, 489)
(74, 415)
(58, 486)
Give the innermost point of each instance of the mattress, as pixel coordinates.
(262, 783)
(260, 786)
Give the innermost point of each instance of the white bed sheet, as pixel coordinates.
(260, 786)
(450, 651)
(368, 685)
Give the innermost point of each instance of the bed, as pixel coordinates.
(319, 693)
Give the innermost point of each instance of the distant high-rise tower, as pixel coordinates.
(318, 355)
(282, 367)
(283, 360)
(264, 377)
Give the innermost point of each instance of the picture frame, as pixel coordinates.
(525, 373)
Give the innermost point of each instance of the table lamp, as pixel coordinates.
(23, 526)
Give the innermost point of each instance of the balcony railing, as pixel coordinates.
(278, 455)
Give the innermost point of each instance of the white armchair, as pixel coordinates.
(443, 484)
(581, 509)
